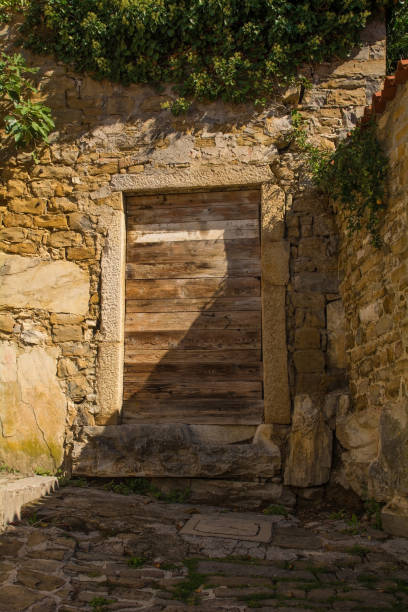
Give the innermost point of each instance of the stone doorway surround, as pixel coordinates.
(275, 276)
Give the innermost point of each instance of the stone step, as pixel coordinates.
(238, 494)
(15, 492)
(176, 450)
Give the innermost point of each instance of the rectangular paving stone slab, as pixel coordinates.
(252, 530)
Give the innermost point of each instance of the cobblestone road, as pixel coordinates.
(85, 549)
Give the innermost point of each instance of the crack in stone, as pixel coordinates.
(3, 435)
(42, 434)
(6, 271)
(29, 405)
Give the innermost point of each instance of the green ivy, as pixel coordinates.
(25, 122)
(8, 7)
(354, 174)
(235, 50)
(397, 35)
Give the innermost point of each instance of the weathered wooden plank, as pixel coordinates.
(173, 252)
(181, 226)
(174, 390)
(193, 373)
(242, 356)
(192, 411)
(145, 213)
(193, 288)
(194, 198)
(193, 311)
(194, 269)
(195, 339)
(194, 305)
(205, 230)
(158, 321)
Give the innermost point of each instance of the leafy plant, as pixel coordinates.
(373, 509)
(143, 486)
(317, 159)
(137, 562)
(178, 496)
(168, 566)
(230, 49)
(354, 175)
(129, 486)
(8, 469)
(188, 590)
(397, 34)
(26, 122)
(33, 519)
(276, 509)
(339, 515)
(178, 106)
(8, 7)
(353, 525)
(39, 471)
(98, 604)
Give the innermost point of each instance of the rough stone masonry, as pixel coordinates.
(373, 430)
(59, 357)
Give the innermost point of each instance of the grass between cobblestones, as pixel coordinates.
(188, 590)
(367, 580)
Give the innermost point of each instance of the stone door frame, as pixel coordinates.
(275, 276)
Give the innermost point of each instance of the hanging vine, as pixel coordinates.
(354, 175)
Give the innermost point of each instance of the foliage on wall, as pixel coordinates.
(8, 7)
(397, 34)
(25, 121)
(354, 175)
(236, 50)
(230, 49)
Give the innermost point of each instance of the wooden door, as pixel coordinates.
(193, 309)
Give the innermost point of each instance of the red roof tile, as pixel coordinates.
(387, 93)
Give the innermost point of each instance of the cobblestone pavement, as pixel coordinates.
(91, 549)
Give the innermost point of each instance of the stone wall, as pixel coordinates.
(56, 220)
(373, 430)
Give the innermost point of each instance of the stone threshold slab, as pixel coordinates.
(230, 527)
(173, 450)
(14, 494)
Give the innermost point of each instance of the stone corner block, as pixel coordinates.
(311, 441)
(275, 262)
(276, 382)
(394, 517)
(110, 379)
(273, 213)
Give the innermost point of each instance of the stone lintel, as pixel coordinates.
(203, 177)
